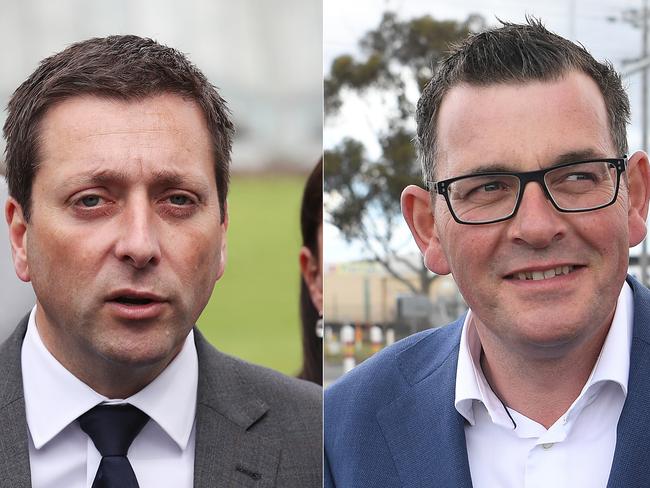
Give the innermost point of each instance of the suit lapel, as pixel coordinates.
(426, 436)
(629, 467)
(424, 432)
(14, 461)
(228, 454)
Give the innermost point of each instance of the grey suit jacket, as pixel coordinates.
(254, 426)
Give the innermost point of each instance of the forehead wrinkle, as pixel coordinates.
(126, 130)
(162, 178)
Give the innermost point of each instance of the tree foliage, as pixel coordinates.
(397, 59)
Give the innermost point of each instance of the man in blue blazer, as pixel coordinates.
(545, 380)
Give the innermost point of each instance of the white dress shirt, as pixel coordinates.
(577, 450)
(62, 455)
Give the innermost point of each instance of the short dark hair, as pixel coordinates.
(125, 67)
(516, 53)
(311, 219)
(311, 209)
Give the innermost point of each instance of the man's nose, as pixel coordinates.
(138, 241)
(537, 223)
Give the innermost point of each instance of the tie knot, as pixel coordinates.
(112, 428)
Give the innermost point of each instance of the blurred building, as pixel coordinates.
(265, 57)
(363, 292)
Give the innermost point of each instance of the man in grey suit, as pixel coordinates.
(118, 154)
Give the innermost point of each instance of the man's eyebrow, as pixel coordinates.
(161, 178)
(101, 177)
(578, 155)
(567, 157)
(165, 178)
(490, 168)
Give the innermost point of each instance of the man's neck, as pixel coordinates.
(540, 386)
(111, 379)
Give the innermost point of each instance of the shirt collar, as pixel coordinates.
(170, 399)
(471, 384)
(613, 364)
(54, 397)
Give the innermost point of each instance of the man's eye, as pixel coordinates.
(484, 188)
(581, 177)
(494, 186)
(90, 201)
(179, 200)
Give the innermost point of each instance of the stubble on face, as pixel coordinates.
(125, 209)
(526, 127)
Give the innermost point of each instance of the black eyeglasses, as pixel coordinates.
(486, 198)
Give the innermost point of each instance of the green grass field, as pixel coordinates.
(253, 312)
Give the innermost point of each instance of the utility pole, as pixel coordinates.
(572, 20)
(641, 64)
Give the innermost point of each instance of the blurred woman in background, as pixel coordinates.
(311, 267)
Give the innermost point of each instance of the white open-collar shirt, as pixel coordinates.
(575, 452)
(62, 455)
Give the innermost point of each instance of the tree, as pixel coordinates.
(398, 58)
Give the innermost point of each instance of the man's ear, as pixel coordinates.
(311, 273)
(17, 237)
(638, 175)
(224, 241)
(417, 211)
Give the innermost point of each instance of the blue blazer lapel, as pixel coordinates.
(424, 432)
(630, 464)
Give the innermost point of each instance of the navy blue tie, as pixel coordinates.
(112, 429)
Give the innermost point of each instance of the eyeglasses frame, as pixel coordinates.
(525, 177)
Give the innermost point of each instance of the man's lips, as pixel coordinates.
(538, 273)
(134, 297)
(135, 305)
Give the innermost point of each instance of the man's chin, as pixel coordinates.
(141, 354)
(540, 332)
(540, 341)
(138, 361)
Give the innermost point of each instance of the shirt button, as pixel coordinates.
(547, 446)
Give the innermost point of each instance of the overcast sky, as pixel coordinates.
(265, 57)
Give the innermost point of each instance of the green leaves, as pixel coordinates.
(398, 59)
(394, 52)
